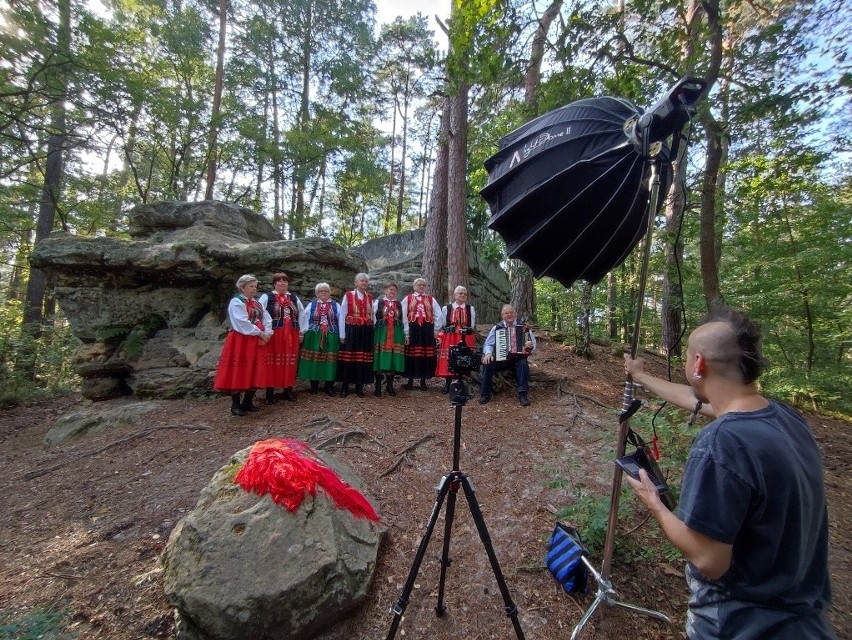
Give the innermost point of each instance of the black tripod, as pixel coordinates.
(449, 485)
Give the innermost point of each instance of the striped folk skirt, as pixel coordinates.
(389, 349)
(318, 360)
(242, 365)
(282, 357)
(355, 362)
(420, 358)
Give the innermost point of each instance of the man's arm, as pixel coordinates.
(488, 347)
(680, 394)
(711, 557)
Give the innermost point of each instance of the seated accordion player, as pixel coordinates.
(511, 341)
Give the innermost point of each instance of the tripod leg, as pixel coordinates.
(399, 607)
(440, 609)
(509, 606)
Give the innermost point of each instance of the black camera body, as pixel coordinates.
(462, 359)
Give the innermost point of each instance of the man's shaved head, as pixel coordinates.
(730, 342)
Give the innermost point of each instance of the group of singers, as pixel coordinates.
(275, 339)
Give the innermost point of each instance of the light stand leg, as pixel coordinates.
(606, 593)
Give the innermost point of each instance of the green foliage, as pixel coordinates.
(590, 515)
(50, 352)
(37, 624)
(112, 335)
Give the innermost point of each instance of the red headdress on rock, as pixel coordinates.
(287, 469)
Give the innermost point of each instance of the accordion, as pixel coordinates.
(509, 342)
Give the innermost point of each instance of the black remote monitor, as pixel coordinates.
(631, 464)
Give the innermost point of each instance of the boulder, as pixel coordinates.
(400, 258)
(151, 311)
(241, 566)
(94, 419)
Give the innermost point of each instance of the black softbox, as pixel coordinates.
(569, 191)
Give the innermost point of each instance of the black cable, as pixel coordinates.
(685, 135)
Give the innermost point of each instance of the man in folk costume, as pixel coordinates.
(389, 349)
(519, 343)
(320, 341)
(282, 357)
(242, 363)
(355, 363)
(460, 319)
(420, 314)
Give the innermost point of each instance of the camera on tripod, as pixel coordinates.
(461, 359)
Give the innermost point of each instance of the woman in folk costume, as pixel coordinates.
(242, 363)
(460, 323)
(282, 357)
(389, 349)
(320, 340)
(420, 313)
(355, 363)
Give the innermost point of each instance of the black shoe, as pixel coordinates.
(522, 397)
(329, 391)
(359, 390)
(248, 402)
(423, 384)
(314, 388)
(484, 399)
(446, 387)
(289, 396)
(270, 395)
(238, 411)
(409, 385)
(378, 391)
(344, 391)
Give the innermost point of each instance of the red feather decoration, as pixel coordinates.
(287, 469)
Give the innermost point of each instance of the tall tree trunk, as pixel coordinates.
(584, 340)
(386, 221)
(212, 153)
(52, 186)
(611, 305)
(712, 165)
(435, 243)
(457, 264)
(403, 151)
(523, 285)
(671, 319)
(300, 170)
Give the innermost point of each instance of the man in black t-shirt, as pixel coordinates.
(752, 520)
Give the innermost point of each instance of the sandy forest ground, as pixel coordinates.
(84, 522)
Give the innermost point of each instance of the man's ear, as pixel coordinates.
(700, 365)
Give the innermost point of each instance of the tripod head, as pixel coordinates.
(459, 391)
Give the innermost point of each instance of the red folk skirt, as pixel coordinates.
(282, 357)
(242, 364)
(442, 370)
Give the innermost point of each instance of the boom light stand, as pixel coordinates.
(448, 488)
(606, 594)
(667, 117)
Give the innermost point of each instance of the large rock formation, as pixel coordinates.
(240, 566)
(400, 258)
(151, 310)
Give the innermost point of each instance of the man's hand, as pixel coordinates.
(487, 358)
(633, 366)
(646, 491)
